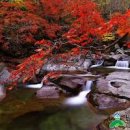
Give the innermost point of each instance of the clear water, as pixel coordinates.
(22, 111)
(80, 118)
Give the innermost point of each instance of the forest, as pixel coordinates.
(56, 55)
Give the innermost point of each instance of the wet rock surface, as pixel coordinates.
(48, 92)
(108, 103)
(70, 85)
(72, 82)
(111, 92)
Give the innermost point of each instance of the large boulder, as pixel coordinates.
(72, 82)
(108, 103)
(72, 64)
(111, 92)
(116, 83)
(70, 85)
(48, 92)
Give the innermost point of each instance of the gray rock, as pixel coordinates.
(116, 83)
(71, 64)
(119, 75)
(114, 56)
(118, 56)
(2, 92)
(72, 82)
(111, 92)
(106, 102)
(48, 92)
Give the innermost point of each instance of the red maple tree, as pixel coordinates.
(44, 18)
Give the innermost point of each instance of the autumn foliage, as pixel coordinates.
(20, 26)
(87, 21)
(121, 22)
(27, 24)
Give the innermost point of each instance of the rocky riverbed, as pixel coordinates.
(110, 91)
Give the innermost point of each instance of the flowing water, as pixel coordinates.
(121, 65)
(98, 64)
(34, 85)
(80, 99)
(124, 64)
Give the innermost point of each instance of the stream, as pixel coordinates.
(21, 110)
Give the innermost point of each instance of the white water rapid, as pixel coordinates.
(124, 65)
(80, 99)
(40, 85)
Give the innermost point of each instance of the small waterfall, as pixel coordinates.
(34, 85)
(88, 85)
(122, 64)
(80, 99)
(98, 64)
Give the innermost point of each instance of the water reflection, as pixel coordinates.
(74, 118)
(46, 115)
